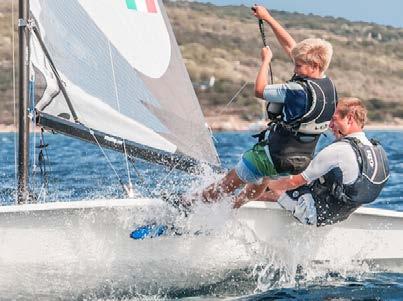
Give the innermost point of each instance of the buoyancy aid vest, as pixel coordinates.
(292, 143)
(335, 201)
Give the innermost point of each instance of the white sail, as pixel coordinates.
(123, 73)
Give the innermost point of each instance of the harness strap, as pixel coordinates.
(293, 126)
(284, 126)
(355, 144)
(262, 135)
(312, 101)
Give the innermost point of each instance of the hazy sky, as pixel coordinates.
(387, 12)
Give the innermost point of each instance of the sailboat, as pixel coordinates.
(111, 73)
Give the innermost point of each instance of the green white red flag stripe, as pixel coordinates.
(147, 6)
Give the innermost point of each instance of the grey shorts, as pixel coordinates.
(303, 208)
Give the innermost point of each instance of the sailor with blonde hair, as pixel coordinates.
(314, 52)
(300, 110)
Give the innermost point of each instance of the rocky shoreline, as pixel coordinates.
(227, 123)
(235, 123)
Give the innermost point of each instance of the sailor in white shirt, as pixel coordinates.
(346, 174)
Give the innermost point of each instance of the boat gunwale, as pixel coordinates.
(359, 211)
(143, 201)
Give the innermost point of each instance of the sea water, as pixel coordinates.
(227, 263)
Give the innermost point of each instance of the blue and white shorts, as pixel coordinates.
(247, 173)
(255, 164)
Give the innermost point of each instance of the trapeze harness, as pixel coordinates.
(292, 143)
(335, 201)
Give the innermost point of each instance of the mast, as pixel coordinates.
(23, 95)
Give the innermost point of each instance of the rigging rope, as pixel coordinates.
(142, 180)
(263, 36)
(33, 28)
(74, 114)
(106, 156)
(41, 161)
(43, 157)
(164, 179)
(124, 142)
(232, 100)
(118, 104)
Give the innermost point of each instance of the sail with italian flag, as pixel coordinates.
(146, 6)
(123, 73)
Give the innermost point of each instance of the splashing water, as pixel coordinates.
(84, 257)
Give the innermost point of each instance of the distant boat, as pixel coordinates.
(111, 73)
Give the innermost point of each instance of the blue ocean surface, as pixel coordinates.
(72, 170)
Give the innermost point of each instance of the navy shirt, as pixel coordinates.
(293, 97)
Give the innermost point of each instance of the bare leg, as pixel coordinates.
(226, 185)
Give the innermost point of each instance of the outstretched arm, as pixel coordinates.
(284, 38)
(256, 192)
(269, 196)
(286, 183)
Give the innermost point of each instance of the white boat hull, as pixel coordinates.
(88, 242)
(369, 234)
(70, 248)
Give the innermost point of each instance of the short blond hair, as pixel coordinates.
(313, 52)
(355, 107)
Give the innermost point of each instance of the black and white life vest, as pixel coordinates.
(322, 97)
(292, 144)
(335, 201)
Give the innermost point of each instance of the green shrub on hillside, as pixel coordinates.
(224, 42)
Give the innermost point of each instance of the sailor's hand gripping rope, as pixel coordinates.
(263, 36)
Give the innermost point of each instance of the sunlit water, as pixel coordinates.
(224, 262)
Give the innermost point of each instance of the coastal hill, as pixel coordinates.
(224, 42)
